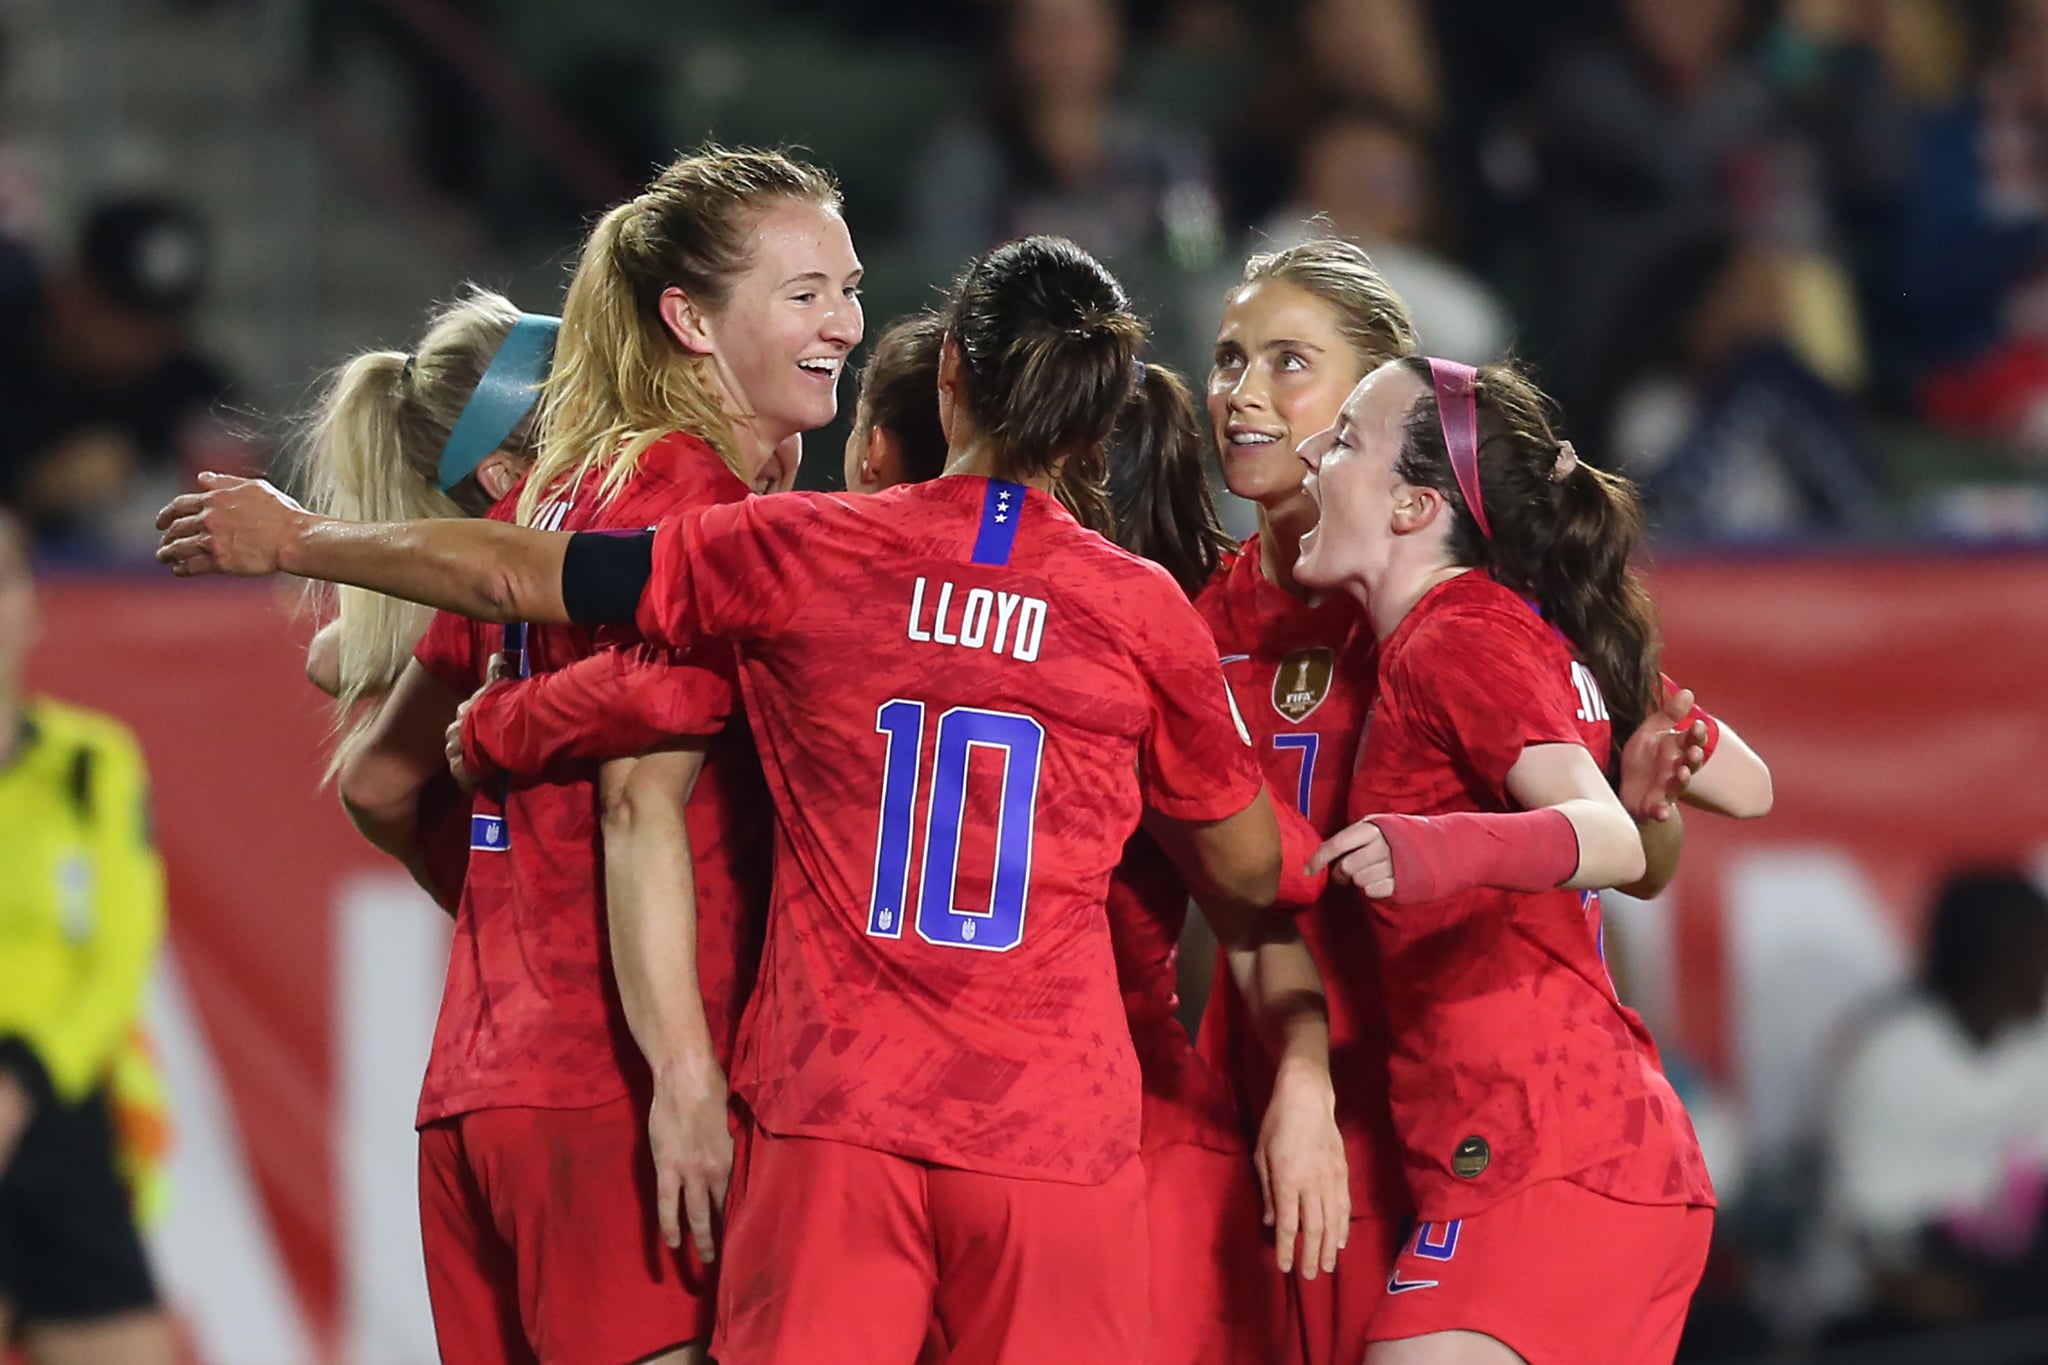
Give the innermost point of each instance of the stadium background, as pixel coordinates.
(1761, 307)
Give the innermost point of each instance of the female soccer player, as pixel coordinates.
(1202, 1198)
(444, 431)
(1205, 1183)
(964, 703)
(1565, 1205)
(704, 328)
(1296, 336)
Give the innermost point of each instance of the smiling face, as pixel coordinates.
(781, 340)
(1282, 369)
(1349, 468)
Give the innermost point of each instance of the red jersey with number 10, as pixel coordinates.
(1513, 1060)
(530, 1014)
(962, 700)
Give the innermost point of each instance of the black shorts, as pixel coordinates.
(69, 1251)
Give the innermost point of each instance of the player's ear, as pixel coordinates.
(1415, 509)
(884, 462)
(950, 368)
(499, 471)
(685, 321)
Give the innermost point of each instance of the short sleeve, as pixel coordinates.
(734, 572)
(1487, 686)
(1197, 761)
(448, 651)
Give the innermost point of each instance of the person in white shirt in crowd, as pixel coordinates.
(1935, 1206)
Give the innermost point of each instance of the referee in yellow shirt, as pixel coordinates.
(81, 915)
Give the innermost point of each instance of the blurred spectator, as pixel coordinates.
(1713, 410)
(1653, 137)
(1959, 287)
(1365, 175)
(1937, 1137)
(1056, 151)
(1703, 337)
(1335, 54)
(108, 401)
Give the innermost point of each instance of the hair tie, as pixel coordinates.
(405, 371)
(507, 392)
(1457, 412)
(1137, 375)
(1567, 461)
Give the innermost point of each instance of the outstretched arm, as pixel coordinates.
(485, 570)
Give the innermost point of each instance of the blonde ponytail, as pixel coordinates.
(370, 451)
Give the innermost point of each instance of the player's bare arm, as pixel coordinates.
(1231, 865)
(484, 570)
(1572, 832)
(651, 912)
(1303, 1180)
(1734, 781)
(383, 779)
(1564, 778)
(323, 658)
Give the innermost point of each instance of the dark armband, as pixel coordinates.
(604, 573)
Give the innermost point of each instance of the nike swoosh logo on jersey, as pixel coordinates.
(1233, 659)
(1397, 1285)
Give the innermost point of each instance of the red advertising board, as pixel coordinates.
(1896, 698)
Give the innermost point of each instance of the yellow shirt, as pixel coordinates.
(81, 893)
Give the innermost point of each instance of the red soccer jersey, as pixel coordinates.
(962, 701)
(530, 1015)
(1186, 1099)
(1303, 677)
(1513, 1061)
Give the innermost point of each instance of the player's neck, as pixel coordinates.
(977, 456)
(753, 448)
(1393, 592)
(1281, 526)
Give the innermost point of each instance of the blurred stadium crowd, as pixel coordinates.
(1783, 261)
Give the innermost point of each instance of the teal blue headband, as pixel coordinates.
(507, 392)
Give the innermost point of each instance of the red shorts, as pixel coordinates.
(1332, 1313)
(1217, 1296)
(541, 1240)
(1556, 1272)
(841, 1253)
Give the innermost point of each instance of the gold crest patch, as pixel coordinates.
(1302, 682)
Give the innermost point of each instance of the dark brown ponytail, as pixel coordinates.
(1047, 339)
(1158, 483)
(1564, 533)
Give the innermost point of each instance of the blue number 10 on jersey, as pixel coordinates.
(1021, 741)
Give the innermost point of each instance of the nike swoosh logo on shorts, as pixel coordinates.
(1397, 1285)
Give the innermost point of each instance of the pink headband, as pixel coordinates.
(1457, 409)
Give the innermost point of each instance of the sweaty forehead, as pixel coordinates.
(1273, 309)
(795, 238)
(1384, 398)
